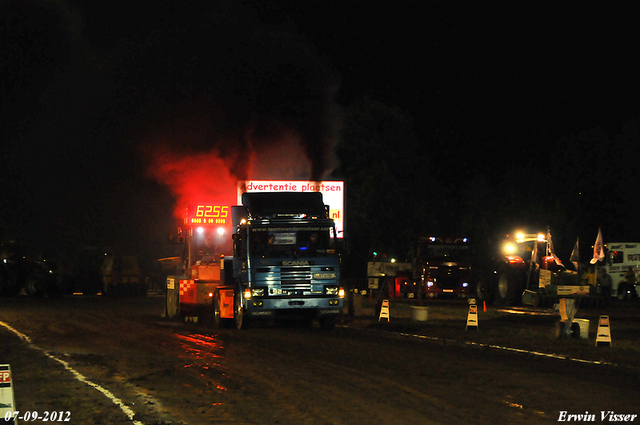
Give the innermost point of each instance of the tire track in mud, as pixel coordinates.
(325, 392)
(77, 375)
(141, 361)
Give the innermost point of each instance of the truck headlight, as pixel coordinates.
(253, 292)
(331, 290)
(257, 292)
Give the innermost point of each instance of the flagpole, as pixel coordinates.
(578, 255)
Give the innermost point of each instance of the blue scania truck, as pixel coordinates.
(285, 262)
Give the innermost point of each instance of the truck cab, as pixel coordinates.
(285, 261)
(442, 266)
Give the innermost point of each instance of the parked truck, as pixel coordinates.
(122, 276)
(527, 271)
(284, 263)
(21, 269)
(622, 262)
(442, 266)
(194, 276)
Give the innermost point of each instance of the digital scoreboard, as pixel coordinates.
(209, 214)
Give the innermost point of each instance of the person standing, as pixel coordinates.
(605, 284)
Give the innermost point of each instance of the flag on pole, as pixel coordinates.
(551, 252)
(575, 255)
(598, 248)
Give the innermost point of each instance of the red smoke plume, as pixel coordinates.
(208, 177)
(192, 177)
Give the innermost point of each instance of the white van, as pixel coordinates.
(620, 256)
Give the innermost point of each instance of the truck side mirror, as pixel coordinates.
(179, 238)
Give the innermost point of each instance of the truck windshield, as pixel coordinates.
(457, 253)
(291, 242)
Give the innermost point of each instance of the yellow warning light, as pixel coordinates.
(509, 248)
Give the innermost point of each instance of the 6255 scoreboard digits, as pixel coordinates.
(210, 214)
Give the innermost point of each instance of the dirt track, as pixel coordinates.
(170, 372)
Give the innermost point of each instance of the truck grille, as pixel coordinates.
(448, 282)
(295, 273)
(296, 285)
(295, 280)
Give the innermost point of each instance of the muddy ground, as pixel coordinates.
(365, 371)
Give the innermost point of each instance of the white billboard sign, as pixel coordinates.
(332, 194)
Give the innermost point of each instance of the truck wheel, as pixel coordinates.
(509, 287)
(35, 285)
(483, 291)
(218, 321)
(242, 322)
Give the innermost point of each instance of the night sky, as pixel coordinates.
(97, 97)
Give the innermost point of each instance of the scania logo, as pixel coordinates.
(295, 263)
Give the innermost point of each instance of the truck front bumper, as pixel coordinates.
(261, 307)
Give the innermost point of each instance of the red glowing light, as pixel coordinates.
(514, 259)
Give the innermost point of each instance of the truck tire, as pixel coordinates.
(35, 284)
(484, 292)
(218, 321)
(509, 286)
(242, 322)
